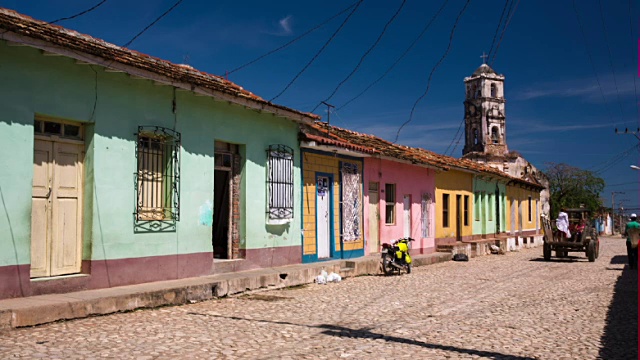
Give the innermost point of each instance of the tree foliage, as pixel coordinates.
(572, 187)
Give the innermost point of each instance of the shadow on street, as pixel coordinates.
(620, 338)
(366, 333)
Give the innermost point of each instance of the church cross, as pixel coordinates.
(484, 57)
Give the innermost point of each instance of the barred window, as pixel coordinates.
(466, 210)
(280, 183)
(158, 174)
(445, 210)
(351, 201)
(390, 200)
(425, 220)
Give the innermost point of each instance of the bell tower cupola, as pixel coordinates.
(484, 112)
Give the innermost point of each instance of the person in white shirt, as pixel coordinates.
(562, 223)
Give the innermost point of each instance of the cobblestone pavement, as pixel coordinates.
(512, 306)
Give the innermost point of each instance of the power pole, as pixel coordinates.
(613, 209)
(329, 107)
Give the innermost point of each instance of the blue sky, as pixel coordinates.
(556, 110)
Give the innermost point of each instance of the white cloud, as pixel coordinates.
(285, 24)
(590, 88)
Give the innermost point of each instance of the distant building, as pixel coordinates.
(485, 130)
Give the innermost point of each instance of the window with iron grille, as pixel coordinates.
(280, 183)
(466, 210)
(390, 204)
(158, 174)
(530, 209)
(445, 210)
(351, 201)
(425, 208)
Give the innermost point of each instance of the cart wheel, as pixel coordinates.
(546, 252)
(591, 251)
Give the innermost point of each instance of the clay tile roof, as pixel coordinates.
(336, 136)
(22, 25)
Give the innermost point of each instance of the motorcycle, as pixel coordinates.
(395, 256)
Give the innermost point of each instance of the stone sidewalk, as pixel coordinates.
(35, 310)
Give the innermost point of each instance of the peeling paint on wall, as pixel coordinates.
(206, 214)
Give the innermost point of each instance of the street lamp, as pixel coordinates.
(635, 167)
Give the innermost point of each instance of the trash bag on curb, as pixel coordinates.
(460, 257)
(333, 277)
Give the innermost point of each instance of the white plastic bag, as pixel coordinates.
(333, 277)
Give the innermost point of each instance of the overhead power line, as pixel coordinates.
(80, 13)
(415, 41)
(366, 53)
(510, 14)
(292, 41)
(504, 8)
(319, 52)
(153, 23)
(453, 30)
(616, 159)
(593, 67)
(606, 39)
(455, 137)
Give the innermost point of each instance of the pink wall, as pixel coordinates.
(410, 180)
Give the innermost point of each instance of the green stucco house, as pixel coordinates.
(120, 168)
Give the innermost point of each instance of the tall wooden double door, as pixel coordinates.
(56, 214)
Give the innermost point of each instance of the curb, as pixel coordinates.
(42, 309)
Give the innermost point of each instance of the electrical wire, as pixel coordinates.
(617, 159)
(455, 137)
(593, 67)
(319, 52)
(504, 8)
(153, 23)
(415, 41)
(364, 56)
(453, 30)
(504, 30)
(606, 39)
(457, 143)
(292, 41)
(80, 13)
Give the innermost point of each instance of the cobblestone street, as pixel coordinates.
(512, 306)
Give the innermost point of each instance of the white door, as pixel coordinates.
(323, 217)
(374, 218)
(56, 216)
(407, 215)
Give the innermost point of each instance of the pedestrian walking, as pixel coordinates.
(632, 231)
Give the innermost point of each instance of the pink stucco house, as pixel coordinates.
(399, 191)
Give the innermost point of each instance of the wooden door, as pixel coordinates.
(406, 214)
(374, 218)
(458, 219)
(323, 217)
(56, 218)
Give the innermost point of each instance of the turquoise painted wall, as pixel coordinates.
(58, 87)
(485, 222)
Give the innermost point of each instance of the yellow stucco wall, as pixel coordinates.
(454, 183)
(522, 217)
(312, 164)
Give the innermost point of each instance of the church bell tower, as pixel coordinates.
(485, 132)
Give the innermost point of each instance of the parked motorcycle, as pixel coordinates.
(395, 256)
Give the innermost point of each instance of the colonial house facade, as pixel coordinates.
(127, 169)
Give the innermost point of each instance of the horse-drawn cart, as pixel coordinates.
(585, 240)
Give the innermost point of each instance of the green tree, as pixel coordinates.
(572, 187)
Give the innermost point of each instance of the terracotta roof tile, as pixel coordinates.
(12, 21)
(337, 136)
